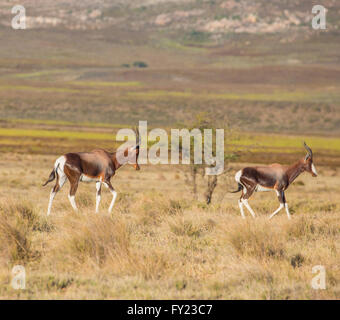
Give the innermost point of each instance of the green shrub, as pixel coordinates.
(140, 64)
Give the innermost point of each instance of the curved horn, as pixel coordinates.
(309, 151)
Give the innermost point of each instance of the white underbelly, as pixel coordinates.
(262, 189)
(84, 178)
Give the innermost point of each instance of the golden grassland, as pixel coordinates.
(160, 243)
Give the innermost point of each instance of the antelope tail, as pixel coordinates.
(240, 187)
(52, 176)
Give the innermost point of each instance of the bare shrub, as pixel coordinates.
(211, 185)
(297, 260)
(202, 122)
(17, 222)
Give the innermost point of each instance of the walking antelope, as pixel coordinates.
(272, 177)
(96, 166)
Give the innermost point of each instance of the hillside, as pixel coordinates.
(257, 64)
(216, 17)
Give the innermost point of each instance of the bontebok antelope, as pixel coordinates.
(95, 166)
(272, 177)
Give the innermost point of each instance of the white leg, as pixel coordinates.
(245, 202)
(276, 211)
(240, 204)
(62, 180)
(98, 196)
(52, 195)
(114, 196)
(287, 210)
(73, 202)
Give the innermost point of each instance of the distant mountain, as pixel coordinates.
(213, 18)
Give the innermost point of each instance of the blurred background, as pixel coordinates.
(85, 67)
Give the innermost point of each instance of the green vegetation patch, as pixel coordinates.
(285, 142)
(55, 134)
(275, 96)
(42, 89)
(254, 142)
(106, 84)
(39, 74)
(63, 123)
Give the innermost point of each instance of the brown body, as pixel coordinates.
(272, 177)
(96, 166)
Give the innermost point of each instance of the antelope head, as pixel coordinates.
(308, 161)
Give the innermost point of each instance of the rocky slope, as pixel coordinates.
(214, 17)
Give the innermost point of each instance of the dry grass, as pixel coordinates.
(159, 243)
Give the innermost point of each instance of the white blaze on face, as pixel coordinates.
(314, 170)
